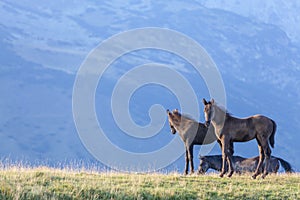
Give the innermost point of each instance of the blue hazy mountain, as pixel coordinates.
(280, 13)
(43, 45)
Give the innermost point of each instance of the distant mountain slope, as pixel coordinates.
(36, 114)
(43, 45)
(280, 13)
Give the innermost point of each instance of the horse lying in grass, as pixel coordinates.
(191, 132)
(241, 165)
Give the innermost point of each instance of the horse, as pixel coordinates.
(230, 129)
(241, 164)
(191, 133)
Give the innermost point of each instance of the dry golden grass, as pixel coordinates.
(46, 183)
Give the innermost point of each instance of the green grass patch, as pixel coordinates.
(45, 183)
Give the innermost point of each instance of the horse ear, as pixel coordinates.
(168, 112)
(212, 101)
(204, 101)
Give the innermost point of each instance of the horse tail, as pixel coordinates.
(272, 137)
(287, 166)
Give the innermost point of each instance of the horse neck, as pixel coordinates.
(215, 162)
(219, 116)
(183, 126)
(176, 121)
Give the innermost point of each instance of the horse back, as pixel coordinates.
(246, 164)
(262, 123)
(245, 129)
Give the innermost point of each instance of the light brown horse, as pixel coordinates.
(230, 129)
(192, 133)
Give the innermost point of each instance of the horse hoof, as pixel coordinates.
(230, 174)
(253, 176)
(201, 173)
(221, 175)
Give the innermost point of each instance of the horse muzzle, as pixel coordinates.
(201, 171)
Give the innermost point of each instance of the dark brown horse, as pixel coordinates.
(230, 129)
(192, 133)
(242, 165)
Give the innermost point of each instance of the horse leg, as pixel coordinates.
(267, 153)
(260, 161)
(223, 170)
(231, 148)
(230, 165)
(228, 151)
(224, 156)
(220, 143)
(186, 168)
(191, 157)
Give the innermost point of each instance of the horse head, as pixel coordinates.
(171, 121)
(177, 116)
(208, 111)
(174, 118)
(203, 166)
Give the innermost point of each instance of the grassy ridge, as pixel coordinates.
(45, 183)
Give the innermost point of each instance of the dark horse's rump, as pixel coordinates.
(191, 132)
(230, 129)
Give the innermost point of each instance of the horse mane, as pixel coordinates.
(224, 110)
(188, 117)
(185, 116)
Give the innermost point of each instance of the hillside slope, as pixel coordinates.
(43, 45)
